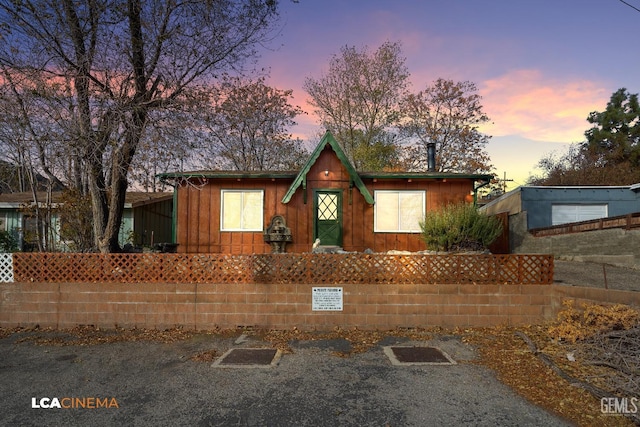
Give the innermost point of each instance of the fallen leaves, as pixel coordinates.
(516, 366)
(360, 340)
(560, 388)
(85, 335)
(205, 356)
(578, 324)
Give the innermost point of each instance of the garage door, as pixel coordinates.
(562, 214)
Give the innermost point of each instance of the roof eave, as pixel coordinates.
(226, 175)
(423, 175)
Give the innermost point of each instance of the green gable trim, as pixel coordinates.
(301, 178)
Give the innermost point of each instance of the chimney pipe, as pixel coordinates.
(431, 156)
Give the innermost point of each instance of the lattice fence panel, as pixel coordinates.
(204, 268)
(285, 268)
(508, 269)
(267, 269)
(6, 267)
(535, 270)
(234, 269)
(321, 269)
(416, 269)
(360, 270)
(134, 268)
(25, 270)
(176, 268)
(280, 268)
(444, 269)
(480, 269)
(89, 268)
(387, 269)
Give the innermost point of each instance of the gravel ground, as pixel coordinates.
(157, 384)
(591, 274)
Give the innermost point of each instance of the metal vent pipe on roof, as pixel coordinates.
(431, 156)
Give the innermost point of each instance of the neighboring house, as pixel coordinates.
(229, 211)
(531, 211)
(149, 216)
(147, 219)
(554, 205)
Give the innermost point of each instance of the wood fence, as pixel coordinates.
(295, 268)
(627, 222)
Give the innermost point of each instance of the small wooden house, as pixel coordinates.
(230, 211)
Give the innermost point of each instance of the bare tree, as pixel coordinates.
(113, 63)
(358, 100)
(28, 134)
(170, 141)
(448, 114)
(248, 128)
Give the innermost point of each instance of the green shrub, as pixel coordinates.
(7, 242)
(459, 227)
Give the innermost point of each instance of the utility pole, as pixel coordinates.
(504, 182)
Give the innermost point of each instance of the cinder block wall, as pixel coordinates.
(615, 246)
(205, 306)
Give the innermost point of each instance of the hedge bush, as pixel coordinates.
(459, 227)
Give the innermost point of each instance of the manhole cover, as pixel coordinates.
(248, 358)
(418, 356)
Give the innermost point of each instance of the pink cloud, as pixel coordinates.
(537, 107)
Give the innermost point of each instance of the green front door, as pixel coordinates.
(328, 217)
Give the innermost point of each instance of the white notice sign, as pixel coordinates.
(326, 299)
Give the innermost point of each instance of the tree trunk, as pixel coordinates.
(121, 161)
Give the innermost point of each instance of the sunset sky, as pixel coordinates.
(540, 66)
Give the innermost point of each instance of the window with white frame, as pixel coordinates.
(398, 211)
(566, 213)
(3, 222)
(241, 210)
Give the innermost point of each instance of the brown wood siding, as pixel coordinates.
(198, 210)
(198, 216)
(438, 194)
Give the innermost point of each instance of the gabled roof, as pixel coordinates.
(301, 178)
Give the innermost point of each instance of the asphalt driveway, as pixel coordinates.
(158, 384)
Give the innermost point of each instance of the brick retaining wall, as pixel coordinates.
(283, 306)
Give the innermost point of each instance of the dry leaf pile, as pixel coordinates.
(593, 319)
